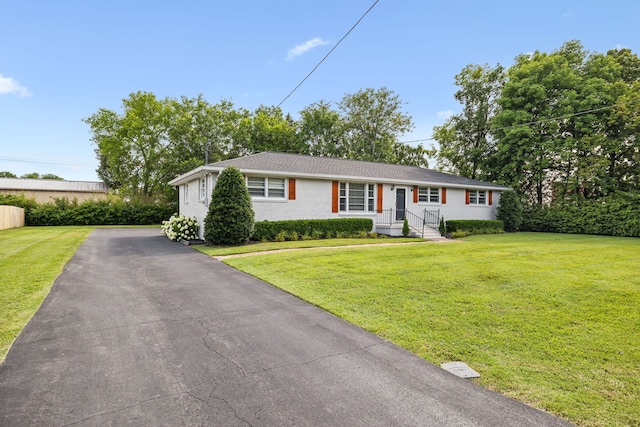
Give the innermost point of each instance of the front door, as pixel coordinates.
(400, 203)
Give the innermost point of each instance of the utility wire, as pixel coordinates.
(579, 113)
(41, 162)
(327, 55)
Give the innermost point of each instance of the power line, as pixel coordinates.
(568, 116)
(327, 55)
(41, 162)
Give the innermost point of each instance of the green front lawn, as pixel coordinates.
(30, 260)
(551, 320)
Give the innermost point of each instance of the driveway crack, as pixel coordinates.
(308, 362)
(207, 345)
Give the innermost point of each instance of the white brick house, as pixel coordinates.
(292, 186)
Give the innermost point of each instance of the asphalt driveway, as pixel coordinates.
(139, 330)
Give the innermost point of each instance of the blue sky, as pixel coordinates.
(61, 61)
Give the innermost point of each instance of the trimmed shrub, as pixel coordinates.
(113, 211)
(315, 228)
(618, 215)
(230, 217)
(510, 210)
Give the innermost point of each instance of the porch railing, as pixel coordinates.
(429, 218)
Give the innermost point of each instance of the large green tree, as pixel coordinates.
(320, 131)
(373, 124)
(562, 124)
(540, 89)
(465, 145)
(132, 146)
(153, 140)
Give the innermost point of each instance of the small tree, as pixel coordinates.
(442, 227)
(230, 217)
(405, 227)
(510, 210)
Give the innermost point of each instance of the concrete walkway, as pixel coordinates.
(142, 331)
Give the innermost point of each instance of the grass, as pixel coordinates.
(298, 244)
(551, 320)
(30, 260)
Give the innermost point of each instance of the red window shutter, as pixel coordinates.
(379, 207)
(467, 198)
(415, 194)
(334, 197)
(444, 196)
(490, 198)
(292, 188)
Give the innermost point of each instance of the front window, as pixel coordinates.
(428, 195)
(185, 193)
(256, 186)
(276, 187)
(477, 197)
(259, 186)
(355, 197)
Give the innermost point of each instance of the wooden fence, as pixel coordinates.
(11, 217)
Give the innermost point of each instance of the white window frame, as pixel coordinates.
(478, 197)
(202, 185)
(270, 188)
(430, 195)
(185, 193)
(354, 194)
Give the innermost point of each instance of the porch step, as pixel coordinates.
(395, 230)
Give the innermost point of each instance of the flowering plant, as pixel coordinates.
(180, 227)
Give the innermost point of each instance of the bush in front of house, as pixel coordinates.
(180, 227)
(466, 227)
(510, 210)
(230, 218)
(312, 228)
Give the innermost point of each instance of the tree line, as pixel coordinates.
(553, 126)
(154, 140)
(32, 175)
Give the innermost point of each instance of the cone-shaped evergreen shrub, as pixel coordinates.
(230, 218)
(405, 227)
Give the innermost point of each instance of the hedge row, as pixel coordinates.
(316, 228)
(618, 216)
(92, 212)
(474, 225)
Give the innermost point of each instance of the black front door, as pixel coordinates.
(400, 203)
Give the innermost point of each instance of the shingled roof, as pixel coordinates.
(27, 184)
(331, 168)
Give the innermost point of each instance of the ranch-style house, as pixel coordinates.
(293, 186)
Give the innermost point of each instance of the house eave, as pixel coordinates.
(200, 171)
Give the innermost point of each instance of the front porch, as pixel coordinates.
(424, 225)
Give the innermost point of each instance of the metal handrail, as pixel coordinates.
(429, 219)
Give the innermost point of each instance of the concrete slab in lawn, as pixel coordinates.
(143, 331)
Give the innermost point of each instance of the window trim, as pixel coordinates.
(268, 191)
(429, 195)
(202, 189)
(346, 201)
(474, 197)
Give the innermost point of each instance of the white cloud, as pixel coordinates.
(9, 85)
(444, 115)
(305, 47)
